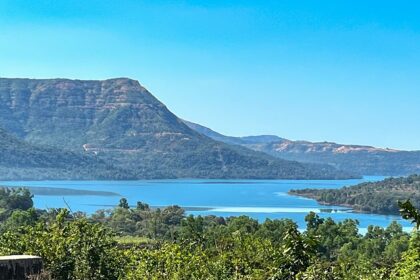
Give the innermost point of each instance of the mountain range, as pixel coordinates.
(366, 160)
(116, 129)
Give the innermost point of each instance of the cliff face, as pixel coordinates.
(72, 114)
(124, 125)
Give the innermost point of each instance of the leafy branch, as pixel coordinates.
(409, 212)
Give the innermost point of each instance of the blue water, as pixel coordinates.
(259, 199)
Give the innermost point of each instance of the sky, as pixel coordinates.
(342, 71)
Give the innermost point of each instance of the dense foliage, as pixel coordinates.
(377, 197)
(145, 243)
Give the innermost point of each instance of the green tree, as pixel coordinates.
(409, 212)
(409, 267)
(20, 218)
(123, 203)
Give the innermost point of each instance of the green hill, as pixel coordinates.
(124, 125)
(378, 197)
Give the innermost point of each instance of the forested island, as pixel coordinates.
(375, 197)
(145, 243)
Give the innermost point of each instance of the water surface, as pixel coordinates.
(259, 199)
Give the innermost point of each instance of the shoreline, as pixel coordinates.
(353, 208)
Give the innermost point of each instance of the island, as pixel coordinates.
(374, 197)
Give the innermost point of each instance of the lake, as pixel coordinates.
(259, 199)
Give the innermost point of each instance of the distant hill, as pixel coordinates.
(378, 197)
(365, 160)
(125, 126)
(248, 140)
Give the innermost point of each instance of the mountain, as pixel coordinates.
(125, 126)
(356, 158)
(361, 159)
(21, 160)
(248, 140)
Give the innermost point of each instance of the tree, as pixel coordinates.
(409, 212)
(15, 198)
(123, 203)
(313, 221)
(20, 218)
(409, 267)
(143, 206)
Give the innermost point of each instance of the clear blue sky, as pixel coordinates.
(344, 71)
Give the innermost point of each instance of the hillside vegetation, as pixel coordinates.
(377, 197)
(21, 160)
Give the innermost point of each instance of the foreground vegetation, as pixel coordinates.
(144, 243)
(377, 197)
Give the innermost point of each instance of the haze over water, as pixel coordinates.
(259, 199)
